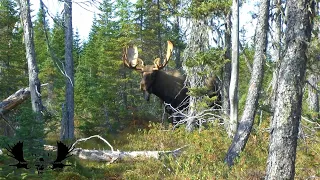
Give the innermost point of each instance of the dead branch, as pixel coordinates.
(111, 156)
(206, 115)
(15, 99)
(97, 136)
(312, 86)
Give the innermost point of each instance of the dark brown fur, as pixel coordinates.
(170, 88)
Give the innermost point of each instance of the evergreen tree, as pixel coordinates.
(48, 73)
(12, 51)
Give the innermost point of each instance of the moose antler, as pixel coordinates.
(157, 63)
(130, 58)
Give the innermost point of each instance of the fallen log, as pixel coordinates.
(111, 156)
(14, 100)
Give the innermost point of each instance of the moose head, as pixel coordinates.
(150, 73)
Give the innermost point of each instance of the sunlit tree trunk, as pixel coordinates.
(34, 82)
(67, 125)
(245, 124)
(234, 81)
(287, 115)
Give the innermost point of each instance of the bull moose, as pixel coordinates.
(168, 86)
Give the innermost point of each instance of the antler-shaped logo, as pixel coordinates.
(17, 153)
(63, 152)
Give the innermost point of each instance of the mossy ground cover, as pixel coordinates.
(202, 158)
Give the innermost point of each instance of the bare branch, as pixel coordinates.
(55, 59)
(313, 87)
(207, 115)
(97, 136)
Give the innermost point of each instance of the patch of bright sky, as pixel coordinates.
(247, 23)
(82, 15)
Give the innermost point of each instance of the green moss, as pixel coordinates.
(70, 176)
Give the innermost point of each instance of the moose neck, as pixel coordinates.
(169, 88)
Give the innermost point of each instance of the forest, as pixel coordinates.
(160, 89)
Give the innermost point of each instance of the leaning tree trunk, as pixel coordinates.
(287, 115)
(34, 82)
(198, 42)
(67, 124)
(245, 124)
(233, 91)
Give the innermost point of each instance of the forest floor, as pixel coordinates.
(202, 159)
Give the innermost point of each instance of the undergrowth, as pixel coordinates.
(202, 157)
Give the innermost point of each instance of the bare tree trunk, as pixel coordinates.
(34, 82)
(287, 115)
(226, 76)
(176, 29)
(313, 95)
(233, 91)
(245, 124)
(159, 28)
(277, 52)
(67, 126)
(198, 42)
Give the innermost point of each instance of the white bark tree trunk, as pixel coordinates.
(34, 82)
(234, 81)
(287, 115)
(245, 124)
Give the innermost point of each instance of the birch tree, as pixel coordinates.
(67, 124)
(234, 79)
(34, 82)
(287, 115)
(245, 124)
